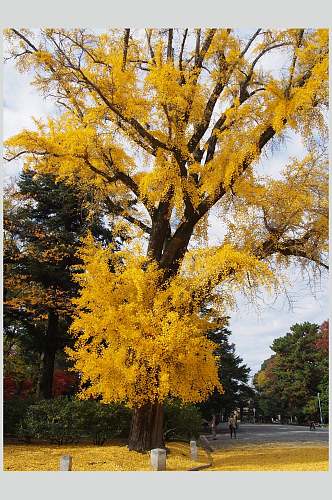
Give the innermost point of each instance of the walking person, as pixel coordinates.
(312, 425)
(232, 426)
(213, 427)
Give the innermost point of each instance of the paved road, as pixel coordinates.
(268, 433)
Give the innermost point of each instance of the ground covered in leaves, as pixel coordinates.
(112, 457)
(116, 457)
(272, 457)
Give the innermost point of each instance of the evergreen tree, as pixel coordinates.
(233, 375)
(289, 381)
(44, 222)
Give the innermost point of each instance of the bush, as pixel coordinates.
(103, 422)
(62, 420)
(181, 421)
(55, 420)
(14, 411)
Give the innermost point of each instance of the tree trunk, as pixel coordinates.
(146, 431)
(40, 374)
(49, 355)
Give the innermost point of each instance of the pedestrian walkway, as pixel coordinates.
(267, 433)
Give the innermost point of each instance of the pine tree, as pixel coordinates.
(233, 375)
(44, 222)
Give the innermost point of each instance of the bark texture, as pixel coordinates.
(49, 355)
(146, 431)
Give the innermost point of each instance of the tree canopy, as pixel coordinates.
(44, 222)
(167, 125)
(289, 381)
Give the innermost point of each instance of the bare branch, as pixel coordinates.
(121, 211)
(182, 49)
(125, 47)
(148, 33)
(252, 39)
(204, 124)
(198, 66)
(20, 35)
(292, 68)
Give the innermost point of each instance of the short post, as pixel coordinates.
(193, 450)
(158, 459)
(66, 462)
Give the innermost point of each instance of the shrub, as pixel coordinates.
(103, 422)
(62, 420)
(14, 411)
(181, 421)
(56, 420)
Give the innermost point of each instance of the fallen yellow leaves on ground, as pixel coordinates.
(272, 457)
(116, 457)
(113, 457)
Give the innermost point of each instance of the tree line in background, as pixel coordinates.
(293, 384)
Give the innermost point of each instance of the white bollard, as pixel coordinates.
(66, 462)
(158, 459)
(193, 450)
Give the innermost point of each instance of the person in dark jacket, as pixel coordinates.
(312, 425)
(232, 426)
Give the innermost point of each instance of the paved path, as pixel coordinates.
(268, 433)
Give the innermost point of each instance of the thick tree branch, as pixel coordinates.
(251, 40)
(125, 47)
(170, 46)
(181, 52)
(25, 39)
(148, 33)
(292, 68)
(198, 45)
(204, 124)
(289, 247)
(161, 230)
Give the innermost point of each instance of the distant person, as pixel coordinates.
(312, 425)
(232, 426)
(236, 422)
(213, 427)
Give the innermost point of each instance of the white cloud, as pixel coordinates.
(253, 331)
(22, 103)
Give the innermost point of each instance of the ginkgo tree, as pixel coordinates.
(167, 125)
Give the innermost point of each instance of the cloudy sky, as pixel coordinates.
(253, 327)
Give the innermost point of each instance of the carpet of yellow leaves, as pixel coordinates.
(116, 457)
(272, 457)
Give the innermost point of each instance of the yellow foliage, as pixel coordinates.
(166, 132)
(272, 457)
(116, 457)
(110, 457)
(138, 341)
